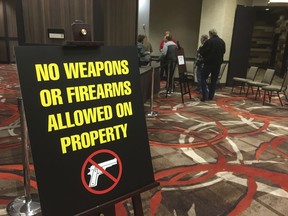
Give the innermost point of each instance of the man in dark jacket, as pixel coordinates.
(212, 51)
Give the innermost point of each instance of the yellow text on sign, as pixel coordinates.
(60, 121)
(47, 72)
(91, 138)
(124, 109)
(49, 97)
(76, 70)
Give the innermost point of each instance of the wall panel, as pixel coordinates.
(120, 22)
(3, 53)
(11, 19)
(2, 29)
(119, 19)
(12, 45)
(8, 30)
(41, 15)
(181, 18)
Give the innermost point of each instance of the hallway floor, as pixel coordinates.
(228, 156)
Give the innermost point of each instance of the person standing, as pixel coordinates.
(143, 56)
(167, 33)
(147, 45)
(163, 70)
(212, 52)
(199, 63)
(168, 58)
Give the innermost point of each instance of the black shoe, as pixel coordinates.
(203, 99)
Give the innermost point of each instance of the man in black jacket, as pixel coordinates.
(212, 51)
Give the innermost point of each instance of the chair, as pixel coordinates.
(266, 80)
(272, 90)
(191, 74)
(250, 76)
(222, 70)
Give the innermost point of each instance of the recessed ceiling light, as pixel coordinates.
(278, 1)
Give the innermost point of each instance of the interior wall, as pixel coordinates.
(245, 2)
(3, 33)
(8, 31)
(41, 15)
(117, 22)
(181, 18)
(260, 2)
(144, 17)
(120, 22)
(219, 15)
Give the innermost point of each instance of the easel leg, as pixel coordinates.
(108, 210)
(137, 205)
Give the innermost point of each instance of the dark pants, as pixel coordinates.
(171, 69)
(163, 70)
(214, 71)
(168, 69)
(199, 74)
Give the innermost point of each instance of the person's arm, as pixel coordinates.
(164, 50)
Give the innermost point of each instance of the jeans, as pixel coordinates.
(214, 71)
(199, 73)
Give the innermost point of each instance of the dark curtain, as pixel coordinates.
(240, 45)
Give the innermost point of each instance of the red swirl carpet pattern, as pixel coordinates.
(228, 156)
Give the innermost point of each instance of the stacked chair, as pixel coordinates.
(250, 76)
(266, 81)
(275, 90)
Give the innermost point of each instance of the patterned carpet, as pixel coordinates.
(228, 156)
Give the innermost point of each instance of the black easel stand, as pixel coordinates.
(183, 79)
(184, 85)
(108, 209)
(27, 205)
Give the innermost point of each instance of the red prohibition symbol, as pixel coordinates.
(96, 171)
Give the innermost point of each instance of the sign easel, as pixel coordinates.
(183, 80)
(87, 127)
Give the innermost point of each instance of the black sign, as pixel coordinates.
(86, 124)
